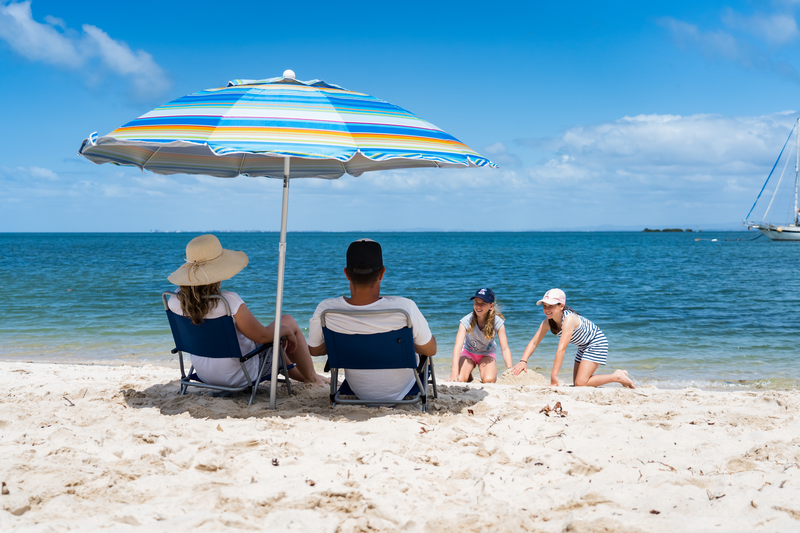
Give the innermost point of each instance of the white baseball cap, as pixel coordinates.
(552, 297)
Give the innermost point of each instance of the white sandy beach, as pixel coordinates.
(92, 447)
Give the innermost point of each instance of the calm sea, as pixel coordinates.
(677, 311)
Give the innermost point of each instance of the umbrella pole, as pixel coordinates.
(273, 387)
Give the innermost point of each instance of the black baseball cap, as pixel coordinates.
(486, 294)
(364, 256)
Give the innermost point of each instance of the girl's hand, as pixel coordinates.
(519, 368)
(453, 376)
(554, 381)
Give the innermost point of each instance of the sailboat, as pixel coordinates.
(789, 231)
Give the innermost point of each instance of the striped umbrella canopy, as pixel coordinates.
(250, 126)
(279, 128)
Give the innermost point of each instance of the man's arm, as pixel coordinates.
(429, 348)
(318, 350)
(315, 333)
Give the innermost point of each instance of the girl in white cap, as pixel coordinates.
(207, 264)
(572, 328)
(475, 340)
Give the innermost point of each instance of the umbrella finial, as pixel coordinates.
(288, 74)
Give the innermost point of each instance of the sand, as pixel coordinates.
(93, 447)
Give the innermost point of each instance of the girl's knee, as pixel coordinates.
(289, 321)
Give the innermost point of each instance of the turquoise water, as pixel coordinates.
(677, 312)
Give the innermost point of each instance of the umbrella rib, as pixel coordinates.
(151, 157)
(244, 154)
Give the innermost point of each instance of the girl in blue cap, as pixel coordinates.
(475, 341)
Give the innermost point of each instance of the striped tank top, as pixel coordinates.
(586, 333)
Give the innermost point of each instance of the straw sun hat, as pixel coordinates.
(208, 262)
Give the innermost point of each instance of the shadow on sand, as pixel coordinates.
(306, 400)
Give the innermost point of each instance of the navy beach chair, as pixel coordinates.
(391, 349)
(216, 337)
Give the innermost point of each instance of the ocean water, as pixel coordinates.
(677, 311)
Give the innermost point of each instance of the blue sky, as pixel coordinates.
(625, 113)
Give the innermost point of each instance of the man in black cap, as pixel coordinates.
(365, 272)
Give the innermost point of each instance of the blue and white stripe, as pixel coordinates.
(592, 344)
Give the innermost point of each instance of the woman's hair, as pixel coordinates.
(554, 327)
(195, 300)
(488, 328)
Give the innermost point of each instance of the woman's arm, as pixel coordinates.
(522, 366)
(567, 327)
(256, 332)
(457, 348)
(501, 336)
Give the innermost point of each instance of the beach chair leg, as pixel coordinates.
(334, 385)
(253, 394)
(284, 369)
(433, 381)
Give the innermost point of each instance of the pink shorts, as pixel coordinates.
(475, 357)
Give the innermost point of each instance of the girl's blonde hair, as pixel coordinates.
(488, 328)
(195, 300)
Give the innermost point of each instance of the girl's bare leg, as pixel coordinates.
(488, 369)
(465, 368)
(304, 371)
(583, 375)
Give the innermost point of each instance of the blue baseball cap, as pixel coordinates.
(486, 294)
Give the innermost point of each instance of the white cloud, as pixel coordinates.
(498, 153)
(666, 140)
(777, 28)
(88, 52)
(45, 173)
(658, 162)
(721, 44)
(147, 77)
(27, 173)
(37, 42)
(749, 40)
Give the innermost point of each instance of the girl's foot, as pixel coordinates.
(622, 377)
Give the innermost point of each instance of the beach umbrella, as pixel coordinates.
(279, 128)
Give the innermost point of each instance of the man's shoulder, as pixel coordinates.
(397, 301)
(332, 303)
(390, 298)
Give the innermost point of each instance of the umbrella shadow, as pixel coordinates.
(305, 400)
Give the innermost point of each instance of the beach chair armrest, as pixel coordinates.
(259, 349)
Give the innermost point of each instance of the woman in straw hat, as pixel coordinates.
(207, 264)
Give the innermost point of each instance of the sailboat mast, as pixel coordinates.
(796, 170)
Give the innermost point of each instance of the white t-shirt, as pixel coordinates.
(379, 385)
(225, 372)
